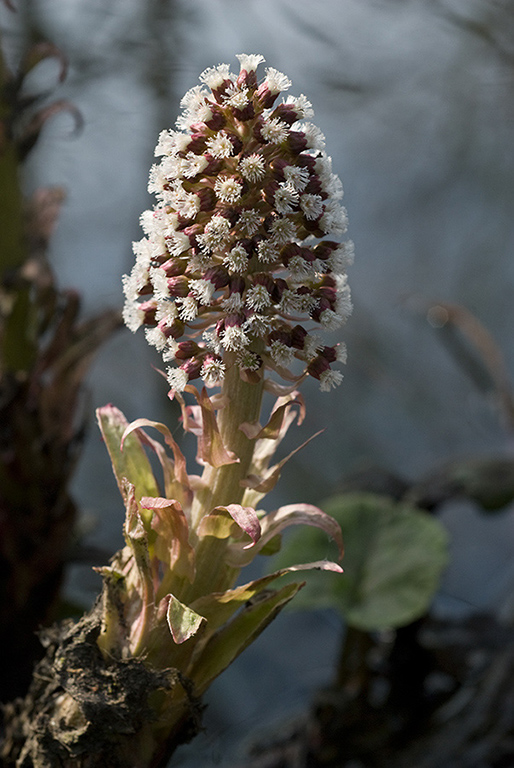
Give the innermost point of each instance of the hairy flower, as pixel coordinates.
(244, 189)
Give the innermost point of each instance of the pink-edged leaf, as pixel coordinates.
(172, 545)
(219, 607)
(275, 522)
(318, 565)
(273, 429)
(179, 467)
(246, 518)
(220, 523)
(182, 620)
(137, 539)
(284, 373)
(251, 431)
(210, 445)
(301, 514)
(265, 484)
(279, 390)
(132, 463)
(191, 418)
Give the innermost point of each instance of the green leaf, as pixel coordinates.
(220, 523)
(132, 462)
(219, 607)
(228, 642)
(182, 620)
(171, 545)
(394, 558)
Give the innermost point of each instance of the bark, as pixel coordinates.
(84, 712)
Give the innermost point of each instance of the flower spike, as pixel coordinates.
(236, 243)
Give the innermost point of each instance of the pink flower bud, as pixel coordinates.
(192, 367)
(187, 349)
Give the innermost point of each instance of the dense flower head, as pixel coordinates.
(236, 254)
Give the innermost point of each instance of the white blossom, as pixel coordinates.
(248, 360)
(252, 167)
(275, 131)
(341, 353)
(302, 106)
(166, 312)
(193, 97)
(213, 342)
(213, 77)
(189, 205)
(293, 303)
(258, 325)
(220, 146)
(213, 371)
(283, 230)
(170, 350)
(277, 81)
(202, 290)
(315, 138)
(177, 379)
(234, 338)
(236, 260)
(344, 304)
(159, 282)
(257, 297)
(187, 308)
(312, 345)
(331, 320)
(300, 268)
(215, 233)
(334, 219)
(228, 189)
(342, 257)
(249, 222)
(267, 251)
(156, 338)
(191, 165)
(165, 144)
(177, 243)
(151, 222)
(281, 353)
(312, 206)
(133, 315)
(232, 303)
(286, 198)
(298, 178)
(329, 379)
(237, 97)
(250, 61)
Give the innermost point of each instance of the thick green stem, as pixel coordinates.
(223, 485)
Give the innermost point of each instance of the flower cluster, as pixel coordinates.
(234, 263)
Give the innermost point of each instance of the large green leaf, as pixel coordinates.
(229, 641)
(394, 558)
(132, 462)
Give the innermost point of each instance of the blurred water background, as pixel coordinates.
(415, 98)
